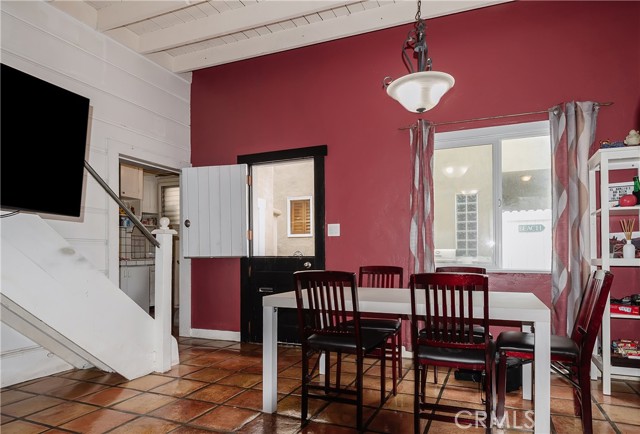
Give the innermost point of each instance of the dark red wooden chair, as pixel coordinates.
(447, 299)
(385, 276)
(570, 355)
(478, 329)
(328, 325)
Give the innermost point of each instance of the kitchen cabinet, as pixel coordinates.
(134, 281)
(603, 164)
(131, 182)
(150, 194)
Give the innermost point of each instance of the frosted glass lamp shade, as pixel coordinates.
(420, 91)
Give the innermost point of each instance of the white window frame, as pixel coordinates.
(291, 199)
(493, 136)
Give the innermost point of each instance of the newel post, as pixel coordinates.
(163, 307)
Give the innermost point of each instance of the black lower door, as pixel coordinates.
(270, 276)
(287, 223)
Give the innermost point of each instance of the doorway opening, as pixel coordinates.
(282, 208)
(150, 192)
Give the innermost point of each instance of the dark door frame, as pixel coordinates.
(317, 153)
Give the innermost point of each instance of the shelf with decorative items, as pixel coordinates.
(614, 216)
(626, 354)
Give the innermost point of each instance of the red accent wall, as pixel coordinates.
(509, 58)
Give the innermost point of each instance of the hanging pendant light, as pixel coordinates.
(420, 90)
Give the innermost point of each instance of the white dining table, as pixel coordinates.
(523, 307)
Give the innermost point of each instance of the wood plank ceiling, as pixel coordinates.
(187, 35)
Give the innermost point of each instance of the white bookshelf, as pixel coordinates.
(603, 162)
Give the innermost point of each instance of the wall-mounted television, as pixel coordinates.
(43, 143)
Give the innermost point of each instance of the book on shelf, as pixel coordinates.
(625, 309)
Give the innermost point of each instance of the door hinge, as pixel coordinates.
(249, 235)
(249, 180)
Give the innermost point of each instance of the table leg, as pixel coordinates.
(606, 351)
(321, 363)
(527, 372)
(542, 384)
(269, 359)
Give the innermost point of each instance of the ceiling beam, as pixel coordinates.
(389, 15)
(78, 10)
(127, 12)
(162, 59)
(125, 37)
(232, 21)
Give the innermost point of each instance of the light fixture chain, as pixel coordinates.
(418, 14)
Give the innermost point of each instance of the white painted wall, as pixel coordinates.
(139, 110)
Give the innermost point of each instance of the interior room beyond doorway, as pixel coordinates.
(150, 193)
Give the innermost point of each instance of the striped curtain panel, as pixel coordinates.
(573, 128)
(421, 200)
(421, 242)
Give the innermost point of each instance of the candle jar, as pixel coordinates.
(629, 250)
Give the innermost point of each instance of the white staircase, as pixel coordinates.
(56, 298)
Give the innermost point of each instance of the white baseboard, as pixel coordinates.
(406, 354)
(222, 335)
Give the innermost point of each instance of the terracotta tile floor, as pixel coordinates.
(217, 387)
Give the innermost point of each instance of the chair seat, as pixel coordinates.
(453, 355)
(347, 343)
(388, 325)
(512, 341)
(478, 330)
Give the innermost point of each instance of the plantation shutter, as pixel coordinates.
(300, 217)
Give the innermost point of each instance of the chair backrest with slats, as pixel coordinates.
(589, 318)
(380, 276)
(449, 302)
(321, 299)
(461, 269)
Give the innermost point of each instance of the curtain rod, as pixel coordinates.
(599, 104)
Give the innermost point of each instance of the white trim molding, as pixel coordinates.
(222, 335)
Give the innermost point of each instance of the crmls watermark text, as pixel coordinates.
(509, 420)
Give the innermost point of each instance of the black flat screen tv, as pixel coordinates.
(43, 143)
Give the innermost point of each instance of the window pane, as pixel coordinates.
(480, 222)
(463, 195)
(170, 197)
(526, 203)
(272, 185)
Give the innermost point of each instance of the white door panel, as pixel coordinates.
(214, 211)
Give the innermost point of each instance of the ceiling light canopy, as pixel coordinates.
(422, 89)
